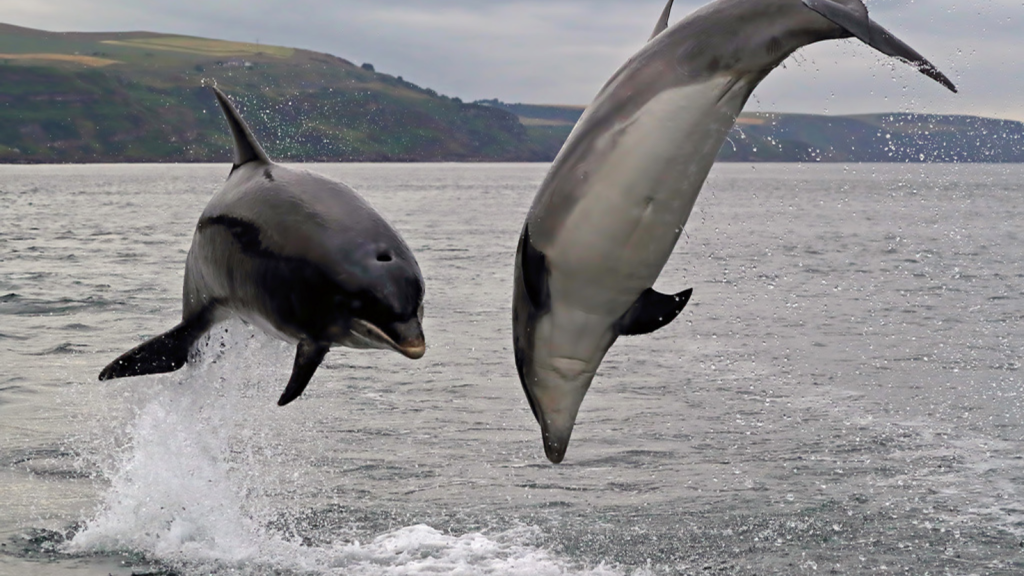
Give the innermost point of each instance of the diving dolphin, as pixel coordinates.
(303, 257)
(612, 206)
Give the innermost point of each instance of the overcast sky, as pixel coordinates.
(562, 51)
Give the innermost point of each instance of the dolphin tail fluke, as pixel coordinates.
(651, 311)
(307, 359)
(857, 23)
(164, 353)
(662, 22)
(247, 149)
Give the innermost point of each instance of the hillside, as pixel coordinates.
(774, 137)
(139, 96)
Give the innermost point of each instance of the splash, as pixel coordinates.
(173, 493)
(183, 490)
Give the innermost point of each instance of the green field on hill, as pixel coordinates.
(128, 97)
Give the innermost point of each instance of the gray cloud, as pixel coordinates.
(562, 51)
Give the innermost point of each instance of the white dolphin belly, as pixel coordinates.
(618, 237)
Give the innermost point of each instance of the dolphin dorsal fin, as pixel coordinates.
(663, 21)
(247, 149)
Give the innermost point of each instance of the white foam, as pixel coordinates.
(181, 493)
(424, 550)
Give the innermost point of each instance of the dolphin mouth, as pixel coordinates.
(414, 350)
(367, 335)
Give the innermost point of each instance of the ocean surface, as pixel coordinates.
(842, 395)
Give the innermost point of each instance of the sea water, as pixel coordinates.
(842, 395)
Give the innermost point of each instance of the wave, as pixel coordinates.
(180, 495)
(18, 305)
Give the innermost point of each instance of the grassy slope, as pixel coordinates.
(150, 104)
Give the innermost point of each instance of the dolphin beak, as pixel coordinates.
(414, 349)
(409, 342)
(556, 392)
(556, 440)
(871, 33)
(556, 424)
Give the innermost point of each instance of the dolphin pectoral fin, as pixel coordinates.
(651, 311)
(871, 33)
(663, 21)
(164, 353)
(535, 272)
(308, 357)
(247, 149)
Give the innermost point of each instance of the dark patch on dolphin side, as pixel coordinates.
(268, 175)
(300, 295)
(535, 273)
(652, 311)
(244, 232)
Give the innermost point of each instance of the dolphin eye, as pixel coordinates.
(384, 257)
(351, 303)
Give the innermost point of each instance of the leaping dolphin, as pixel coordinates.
(617, 196)
(303, 257)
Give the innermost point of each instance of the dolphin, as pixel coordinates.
(615, 200)
(303, 257)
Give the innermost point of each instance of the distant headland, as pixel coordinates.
(139, 97)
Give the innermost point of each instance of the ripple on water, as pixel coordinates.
(17, 305)
(63, 348)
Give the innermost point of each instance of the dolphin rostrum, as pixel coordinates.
(613, 204)
(303, 257)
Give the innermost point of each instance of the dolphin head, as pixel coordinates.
(331, 269)
(385, 304)
(554, 387)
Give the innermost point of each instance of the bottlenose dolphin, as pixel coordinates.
(609, 212)
(303, 257)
